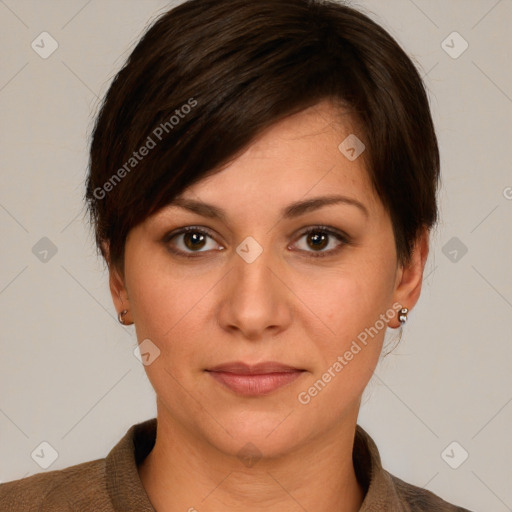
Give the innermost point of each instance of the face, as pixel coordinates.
(268, 274)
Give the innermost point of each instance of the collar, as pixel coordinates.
(128, 494)
(123, 482)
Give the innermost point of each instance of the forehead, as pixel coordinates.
(302, 156)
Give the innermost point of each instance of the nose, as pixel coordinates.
(255, 302)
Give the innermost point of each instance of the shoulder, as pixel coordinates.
(77, 488)
(386, 492)
(100, 485)
(418, 499)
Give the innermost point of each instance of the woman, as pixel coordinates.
(262, 186)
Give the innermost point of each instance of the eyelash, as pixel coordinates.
(340, 236)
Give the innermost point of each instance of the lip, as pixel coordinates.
(254, 380)
(242, 368)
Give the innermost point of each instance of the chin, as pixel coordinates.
(269, 433)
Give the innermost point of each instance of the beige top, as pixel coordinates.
(112, 484)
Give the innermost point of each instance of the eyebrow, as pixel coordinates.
(289, 212)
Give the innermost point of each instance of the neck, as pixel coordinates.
(186, 473)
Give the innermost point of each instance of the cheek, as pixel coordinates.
(349, 301)
(170, 308)
(159, 296)
(355, 316)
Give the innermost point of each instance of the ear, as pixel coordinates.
(117, 287)
(410, 276)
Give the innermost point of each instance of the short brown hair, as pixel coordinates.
(210, 75)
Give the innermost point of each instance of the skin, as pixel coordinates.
(287, 306)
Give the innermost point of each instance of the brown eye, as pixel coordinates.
(319, 238)
(194, 240)
(190, 241)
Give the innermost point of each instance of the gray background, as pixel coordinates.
(68, 374)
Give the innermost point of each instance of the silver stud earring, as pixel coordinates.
(402, 315)
(120, 316)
